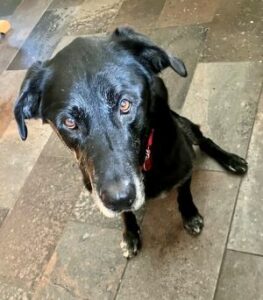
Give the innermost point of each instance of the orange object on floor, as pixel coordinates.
(4, 26)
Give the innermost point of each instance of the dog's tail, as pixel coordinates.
(229, 161)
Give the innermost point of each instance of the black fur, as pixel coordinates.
(86, 83)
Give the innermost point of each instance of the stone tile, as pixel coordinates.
(31, 232)
(241, 277)
(176, 12)
(9, 88)
(86, 211)
(55, 147)
(247, 228)
(93, 16)
(8, 7)
(18, 158)
(3, 214)
(43, 39)
(181, 266)
(88, 261)
(54, 292)
(23, 21)
(138, 13)
(186, 43)
(223, 99)
(236, 32)
(64, 3)
(68, 39)
(8, 292)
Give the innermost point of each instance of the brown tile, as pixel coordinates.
(11, 292)
(247, 228)
(93, 16)
(18, 158)
(9, 88)
(223, 99)
(138, 13)
(236, 32)
(30, 234)
(56, 148)
(241, 277)
(185, 43)
(23, 21)
(176, 12)
(3, 214)
(88, 262)
(172, 264)
(43, 39)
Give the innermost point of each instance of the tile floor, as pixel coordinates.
(54, 244)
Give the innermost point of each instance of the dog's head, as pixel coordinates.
(97, 95)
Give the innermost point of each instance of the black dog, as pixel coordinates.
(105, 101)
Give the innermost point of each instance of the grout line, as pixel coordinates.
(121, 279)
(245, 252)
(236, 199)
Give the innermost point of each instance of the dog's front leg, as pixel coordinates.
(193, 221)
(131, 242)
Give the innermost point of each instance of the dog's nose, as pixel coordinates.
(118, 196)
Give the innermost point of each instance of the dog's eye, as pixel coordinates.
(70, 123)
(125, 106)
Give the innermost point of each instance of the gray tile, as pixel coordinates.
(8, 292)
(87, 212)
(241, 277)
(176, 12)
(8, 7)
(139, 13)
(65, 3)
(223, 100)
(236, 32)
(93, 16)
(247, 228)
(172, 264)
(8, 94)
(88, 261)
(53, 292)
(186, 43)
(18, 158)
(68, 39)
(23, 21)
(31, 232)
(3, 214)
(43, 39)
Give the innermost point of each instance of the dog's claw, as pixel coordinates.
(130, 244)
(236, 164)
(194, 225)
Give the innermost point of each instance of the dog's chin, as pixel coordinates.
(137, 204)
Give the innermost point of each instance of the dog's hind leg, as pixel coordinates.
(193, 221)
(131, 242)
(227, 160)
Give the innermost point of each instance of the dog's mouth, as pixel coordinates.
(114, 208)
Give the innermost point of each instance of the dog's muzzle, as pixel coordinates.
(118, 196)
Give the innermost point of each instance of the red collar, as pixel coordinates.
(147, 165)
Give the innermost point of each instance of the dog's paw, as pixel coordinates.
(130, 244)
(194, 225)
(236, 164)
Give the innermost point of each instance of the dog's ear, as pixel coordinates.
(28, 103)
(149, 54)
